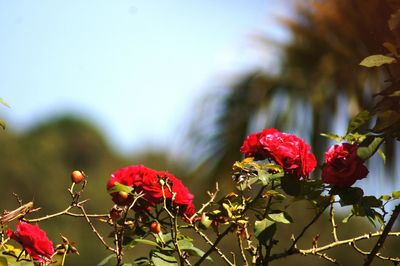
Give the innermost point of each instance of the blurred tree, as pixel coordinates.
(318, 76)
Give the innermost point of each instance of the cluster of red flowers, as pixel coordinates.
(149, 182)
(342, 166)
(34, 241)
(288, 151)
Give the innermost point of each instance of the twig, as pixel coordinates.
(240, 243)
(326, 257)
(94, 229)
(205, 205)
(174, 223)
(377, 255)
(383, 236)
(293, 246)
(332, 219)
(329, 246)
(213, 245)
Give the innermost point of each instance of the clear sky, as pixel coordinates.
(135, 68)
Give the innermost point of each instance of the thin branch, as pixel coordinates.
(377, 255)
(94, 229)
(326, 257)
(240, 243)
(332, 219)
(316, 217)
(329, 246)
(213, 246)
(205, 205)
(383, 236)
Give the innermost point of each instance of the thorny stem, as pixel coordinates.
(353, 244)
(329, 246)
(293, 246)
(332, 219)
(240, 243)
(205, 205)
(94, 229)
(383, 236)
(205, 237)
(174, 225)
(214, 246)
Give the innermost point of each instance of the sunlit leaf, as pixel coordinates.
(366, 152)
(396, 194)
(357, 121)
(106, 260)
(281, 217)
(385, 197)
(377, 60)
(334, 137)
(160, 259)
(382, 155)
(142, 261)
(264, 230)
(120, 187)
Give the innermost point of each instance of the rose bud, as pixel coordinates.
(155, 227)
(77, 176)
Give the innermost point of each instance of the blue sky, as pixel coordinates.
(136, 68)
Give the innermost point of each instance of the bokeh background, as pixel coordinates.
(176, 85)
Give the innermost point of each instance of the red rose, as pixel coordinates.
(33, 240)
(147, 181)
(342, 166)
(290, 152)
(253, 148)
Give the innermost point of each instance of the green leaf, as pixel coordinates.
(3, 261)
(142, 261)
(196, 252)
(136, 241)
(205, 222)
(120, 187)
(334, 137)
(359, 120)
(350, 195)
(366, 152)
(264, 230)
(106, 260)
(4, 103)
(160, 259)
(371, 201)
(348, 217)
(185, 243)
(385, 197)
(382, 155)
(281, 217)
(377, 60)
(396, 194)
(386, 120)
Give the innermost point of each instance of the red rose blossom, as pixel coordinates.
(253, 148)
(34, 241)
(342, 166)
(288, 151)
(147, 181)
